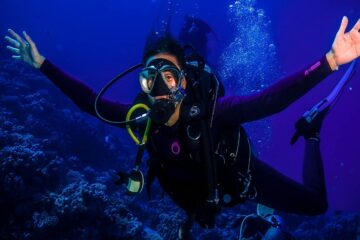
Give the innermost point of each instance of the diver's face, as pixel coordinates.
(164, 111)
(168, 75)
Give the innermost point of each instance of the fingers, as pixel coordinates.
(16, 57)
(30, 41)
(13, 42)
(357, 25)
(14, 50)
(343, 25)
(17, 37)
(32, 45)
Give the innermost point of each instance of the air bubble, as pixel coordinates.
(249, 63)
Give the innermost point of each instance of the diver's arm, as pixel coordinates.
(274, 98)
(345, 48)
(83, 96)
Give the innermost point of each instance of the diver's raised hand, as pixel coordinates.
(346, 46)
(24, 49)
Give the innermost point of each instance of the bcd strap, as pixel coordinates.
(201, 88)
(234, 150)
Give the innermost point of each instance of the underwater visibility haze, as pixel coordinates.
(59, 165)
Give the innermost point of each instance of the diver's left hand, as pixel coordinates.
(346, 46)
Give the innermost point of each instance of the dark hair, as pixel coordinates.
(157, 43)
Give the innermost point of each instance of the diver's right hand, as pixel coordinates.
(25, 49)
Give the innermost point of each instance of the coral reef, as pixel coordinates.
(57, 171)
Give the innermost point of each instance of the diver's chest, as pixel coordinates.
(169, 144)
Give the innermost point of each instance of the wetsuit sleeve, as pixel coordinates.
(83, 96)
(273, 99)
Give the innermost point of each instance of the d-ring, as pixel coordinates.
(191, 137)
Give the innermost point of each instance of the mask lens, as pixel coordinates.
(170, 76)
(147, 78)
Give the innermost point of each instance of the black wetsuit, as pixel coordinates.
(185, 181)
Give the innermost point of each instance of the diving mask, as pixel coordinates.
(160, 77)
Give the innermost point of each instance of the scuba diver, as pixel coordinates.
(198, 150)
(194, 32)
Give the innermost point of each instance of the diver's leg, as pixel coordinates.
(280, 192)
(313, 169)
